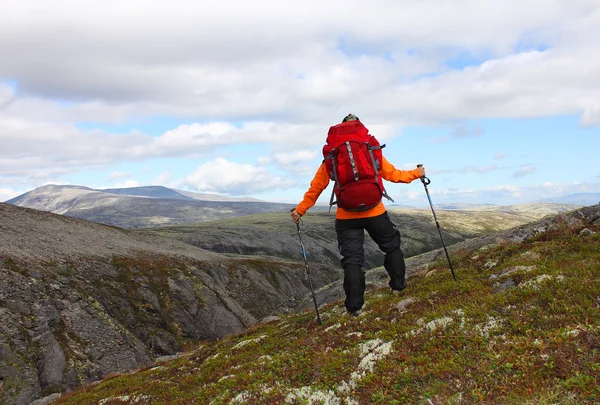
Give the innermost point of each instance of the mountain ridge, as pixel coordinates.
(140, 191)
(144, 209)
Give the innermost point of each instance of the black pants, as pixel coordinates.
(351, 238)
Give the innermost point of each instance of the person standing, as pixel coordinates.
(353, 160)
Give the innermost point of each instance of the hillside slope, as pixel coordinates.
(79, 300)
(522, 325)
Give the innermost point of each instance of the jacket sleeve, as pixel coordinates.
(390, 173)
(317, 185)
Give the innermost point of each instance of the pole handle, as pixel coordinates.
(424, 179)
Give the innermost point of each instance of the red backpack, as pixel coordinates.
(353, 159)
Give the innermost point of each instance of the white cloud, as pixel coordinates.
(127, 184)
(510, 194)
(510, 190)
(200, 135)
(6, 96)
(499, 156)
(162, 179)
(8, 193)
(118, 175)
(198, 139)
(300, 163)
(154, 65)
(468, 169)
(230, 178)
(46, 149)
(295, 157)
(276, 73)
(315, 67)
(591, 116)
(524, 171)
(460, 131)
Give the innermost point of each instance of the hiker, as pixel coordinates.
(359, 190)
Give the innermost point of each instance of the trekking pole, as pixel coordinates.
(309, 278)
(425, 182)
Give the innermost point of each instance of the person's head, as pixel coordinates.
(350, 117)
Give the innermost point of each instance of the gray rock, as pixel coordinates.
(46, 400)
(52, 362)
(269, 319)
(165, 359)
(511, 270)
(402, 305)
(505, 285)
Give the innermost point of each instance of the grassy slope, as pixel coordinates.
(442, 342)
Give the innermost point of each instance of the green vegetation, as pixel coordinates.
(521, 326)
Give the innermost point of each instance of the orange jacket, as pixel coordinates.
(321, 181)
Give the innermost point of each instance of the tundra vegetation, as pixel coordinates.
(521, 325)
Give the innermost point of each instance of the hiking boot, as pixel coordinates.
(396, 293)
(355, 313)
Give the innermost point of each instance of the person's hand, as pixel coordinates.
(295, 215)
(421, 170)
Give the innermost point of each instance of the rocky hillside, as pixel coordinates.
(520, 326)
(80, 300)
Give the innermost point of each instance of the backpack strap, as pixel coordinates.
(334, 177)
(331, 202)
(377, 166)
(352, 161)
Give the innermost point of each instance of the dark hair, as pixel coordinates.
(350, 117)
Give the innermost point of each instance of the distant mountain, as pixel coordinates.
(149, 191)
(215, 197)
(139, 207)
(584, 199)
(463, 206)
(171, 193)
(57, 199)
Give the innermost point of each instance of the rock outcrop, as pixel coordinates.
(80, 300)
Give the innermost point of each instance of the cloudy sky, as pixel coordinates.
(500, 100)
